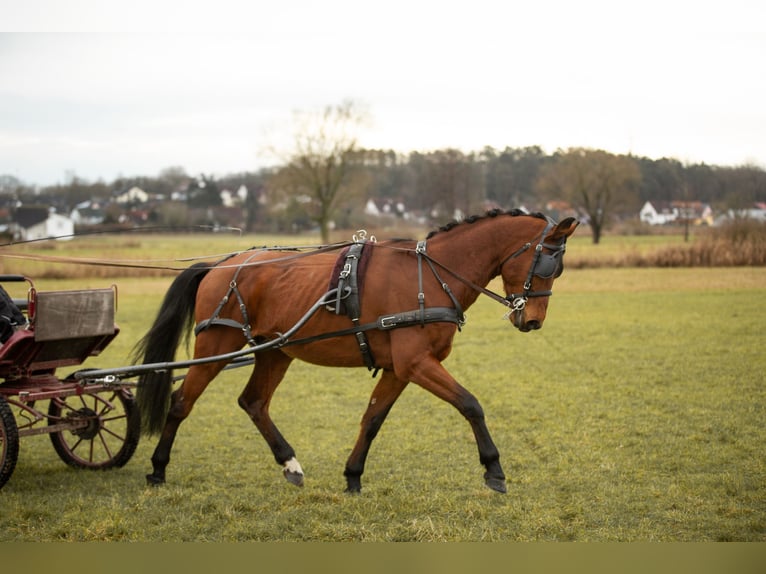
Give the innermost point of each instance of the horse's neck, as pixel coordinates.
(470, 253)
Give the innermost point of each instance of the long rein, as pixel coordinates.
(425, 315)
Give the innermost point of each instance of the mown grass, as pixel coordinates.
(635, 414)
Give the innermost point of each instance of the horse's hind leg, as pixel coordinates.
(383, 397)
(270, 368)
(181, 403)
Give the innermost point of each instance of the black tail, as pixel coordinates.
(159, 345)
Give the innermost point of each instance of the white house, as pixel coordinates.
(664, 212)
(32, 223)
(658, 213)
(87, 213)
(133, 195)
(371, 208)
(756, 212)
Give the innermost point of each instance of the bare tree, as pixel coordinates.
(595, 181)
(320, 163)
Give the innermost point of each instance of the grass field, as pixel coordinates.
(635, 414)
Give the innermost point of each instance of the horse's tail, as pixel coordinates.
(174, 321)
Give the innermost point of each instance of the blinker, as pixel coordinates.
(549, 265)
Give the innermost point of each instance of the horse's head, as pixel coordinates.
(528, 274)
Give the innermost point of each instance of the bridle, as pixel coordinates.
(544, 265)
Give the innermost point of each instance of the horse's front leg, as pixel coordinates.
(383, 397)
(429, 373)
(270, 369)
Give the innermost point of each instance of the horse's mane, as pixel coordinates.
(474, 218)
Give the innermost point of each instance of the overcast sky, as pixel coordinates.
(209, 85)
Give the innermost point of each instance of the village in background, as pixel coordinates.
(385, 190)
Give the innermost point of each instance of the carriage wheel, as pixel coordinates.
(9, 442)
(109, 435)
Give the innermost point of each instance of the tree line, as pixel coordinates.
(326, 177)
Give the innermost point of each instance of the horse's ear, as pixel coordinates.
(563, 229)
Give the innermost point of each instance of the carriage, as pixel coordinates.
(93, 425)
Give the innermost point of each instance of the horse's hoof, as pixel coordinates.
(153, 480)
(295, 478)
(293, 471)
(353, 491)
(496, 484)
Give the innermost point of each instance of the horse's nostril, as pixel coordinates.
(532, 325)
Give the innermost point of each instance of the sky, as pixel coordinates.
(99, 89)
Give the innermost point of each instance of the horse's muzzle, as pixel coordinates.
(528, 326)
(520, 322)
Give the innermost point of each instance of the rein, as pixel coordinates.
(142, 264)
(543, 265)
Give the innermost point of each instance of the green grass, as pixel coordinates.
(636, 413)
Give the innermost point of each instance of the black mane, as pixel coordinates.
(474, 218)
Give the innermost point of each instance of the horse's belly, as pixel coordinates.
(335, 352)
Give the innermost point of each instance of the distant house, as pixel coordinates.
(371, 208)
(87, 213)
(665, 212)
(233, 198)
(133, 195)
(30, 223)
(657, 213)
(756, 212)
(385, 207)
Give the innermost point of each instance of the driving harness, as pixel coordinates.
(352, 263)
(344, 295)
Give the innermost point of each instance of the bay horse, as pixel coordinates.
(411, 305)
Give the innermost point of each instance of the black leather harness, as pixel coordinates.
(347, 301)
(349, 294)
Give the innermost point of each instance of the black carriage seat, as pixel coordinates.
(65, 328)
(11, 317)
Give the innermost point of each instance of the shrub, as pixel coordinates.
(741, 242)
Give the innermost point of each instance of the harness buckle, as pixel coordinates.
(388, 322)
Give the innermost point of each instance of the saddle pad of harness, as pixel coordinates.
(361, 270)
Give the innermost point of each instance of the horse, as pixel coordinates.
(411, 298)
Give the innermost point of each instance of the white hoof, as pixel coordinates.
(293, 472)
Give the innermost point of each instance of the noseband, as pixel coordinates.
(544, 265)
